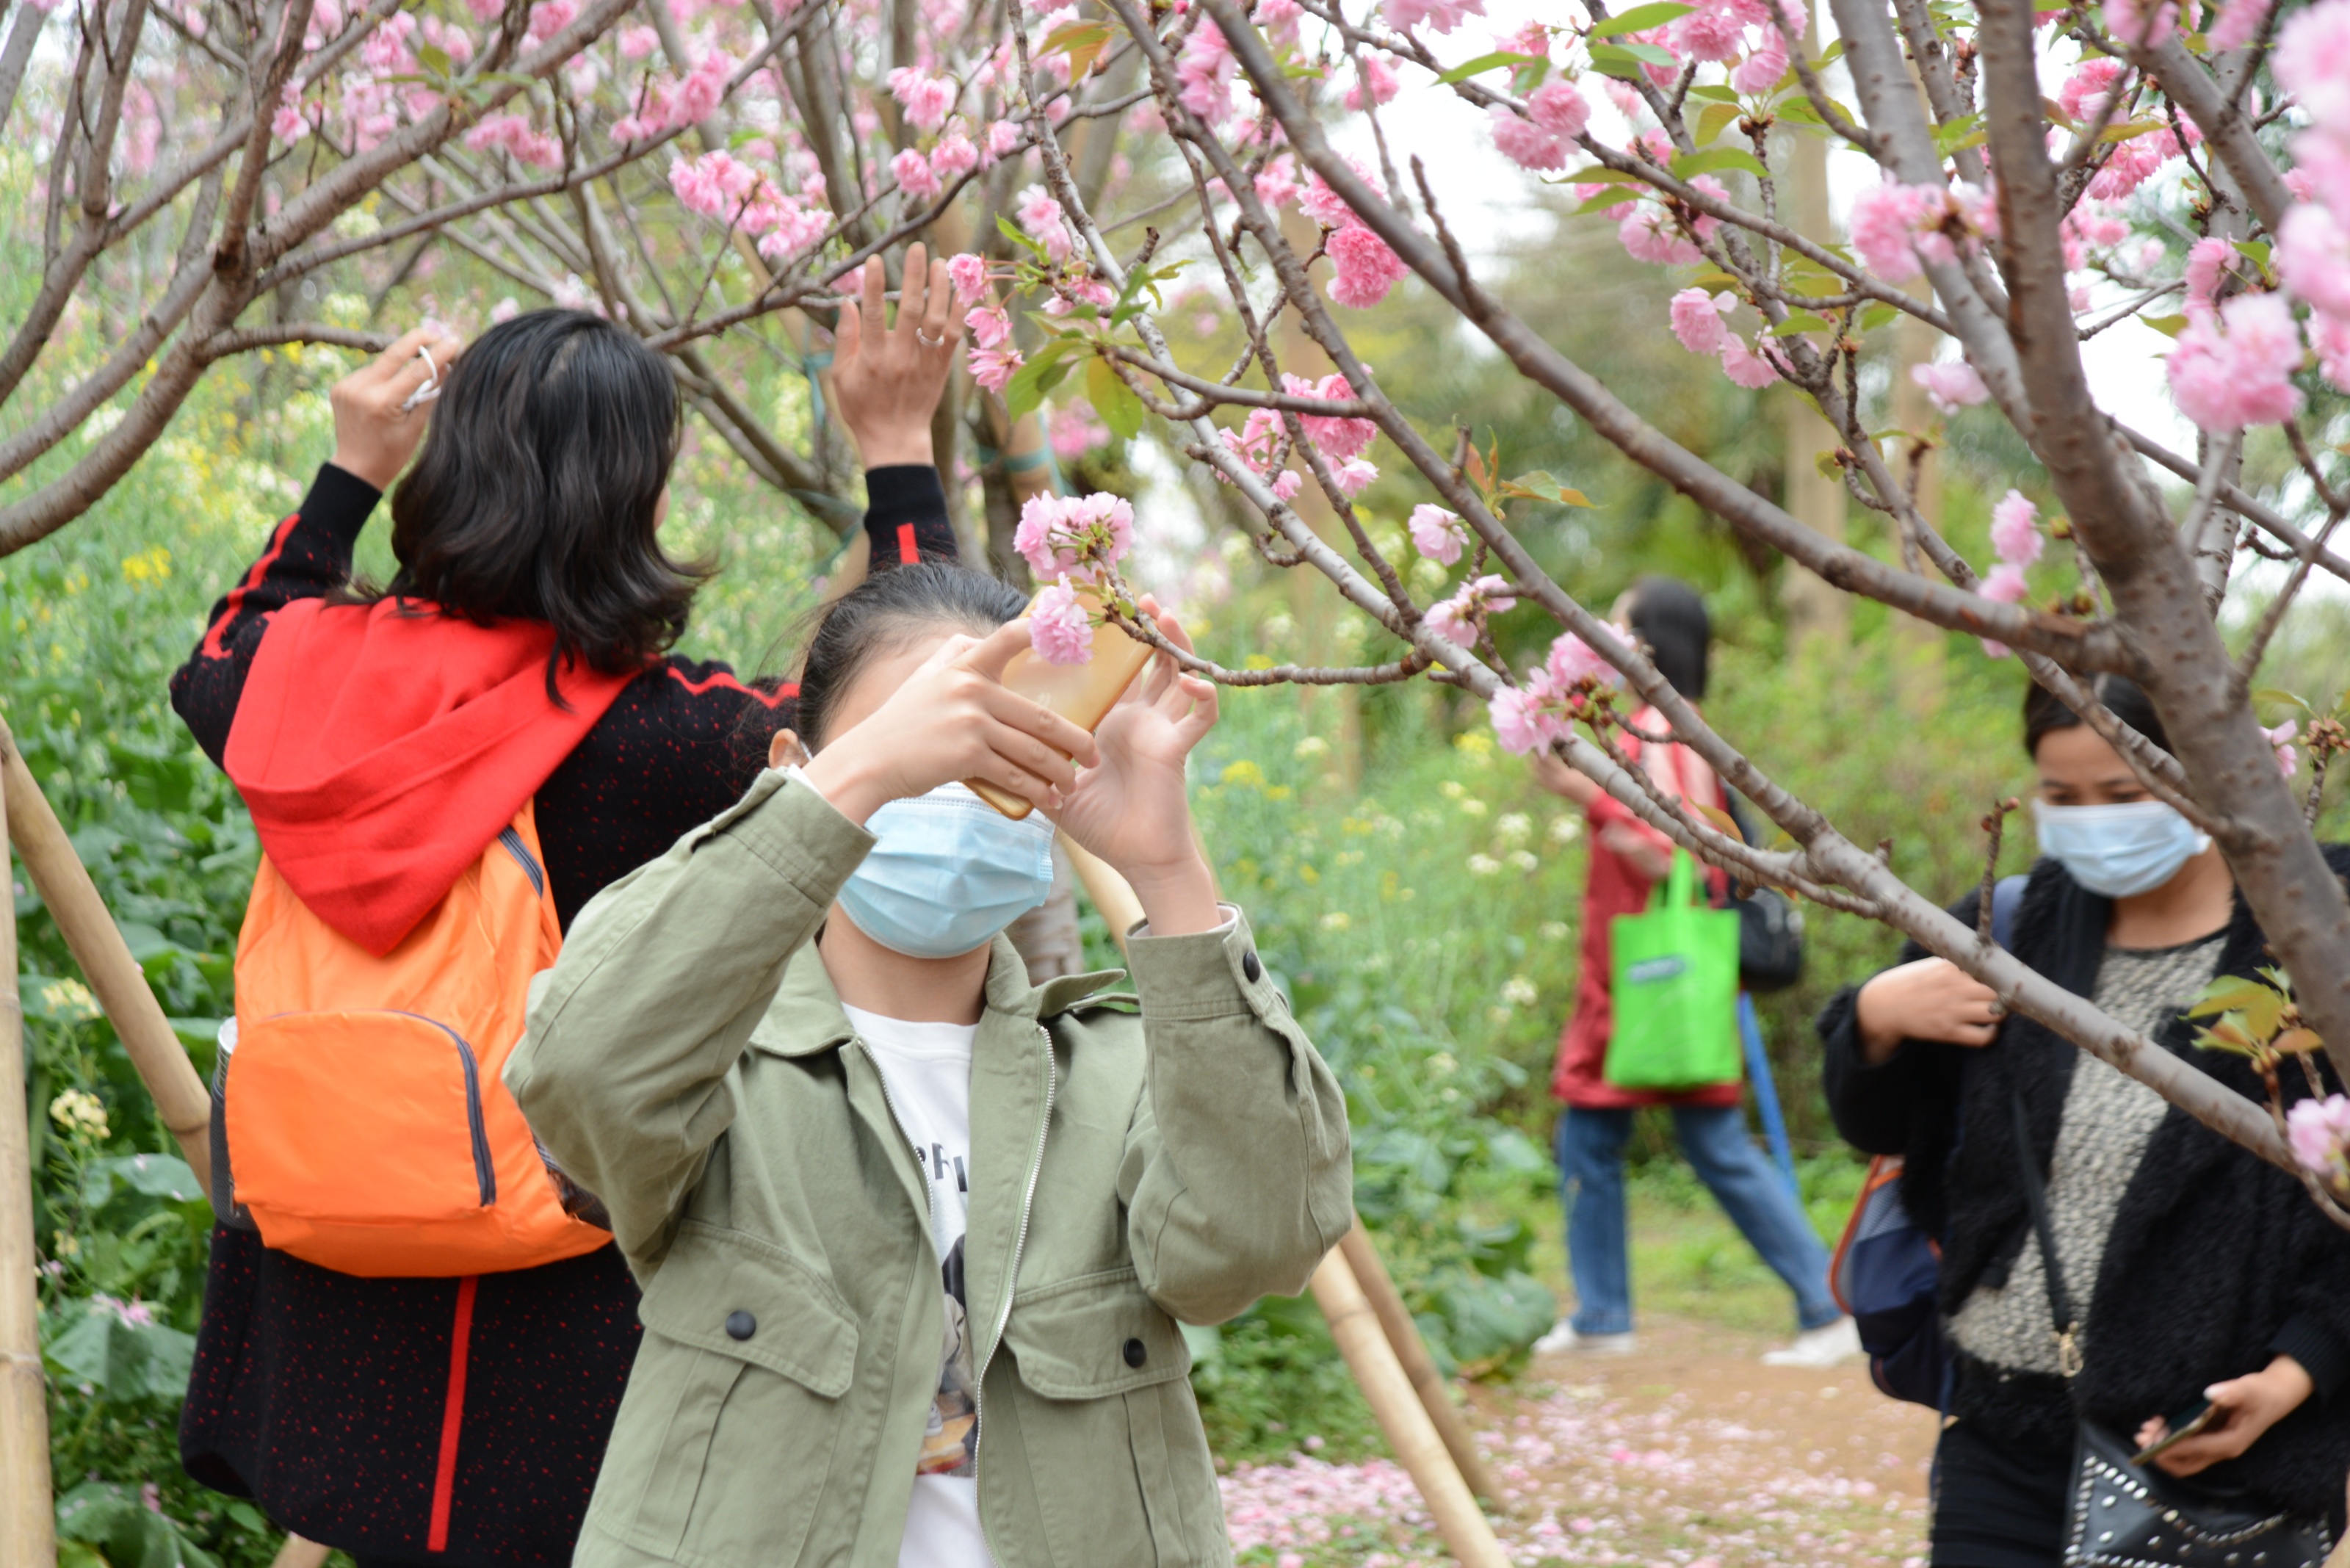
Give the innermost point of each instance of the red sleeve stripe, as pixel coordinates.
(213, 647)
(723, 681)
(910, 553)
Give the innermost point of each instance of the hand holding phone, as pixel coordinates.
(2178, 1427)
(1082, 693)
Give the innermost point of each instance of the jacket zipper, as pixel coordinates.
(1012, 1278)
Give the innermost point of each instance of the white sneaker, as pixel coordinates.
(1830, 1344)
(1563, 1337)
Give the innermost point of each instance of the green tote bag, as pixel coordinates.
(1676, 990)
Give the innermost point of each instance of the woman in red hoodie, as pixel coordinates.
(520, 654)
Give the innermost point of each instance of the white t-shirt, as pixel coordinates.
(927, 1067)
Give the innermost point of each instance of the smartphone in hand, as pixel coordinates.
(2180, 1426)
(1082, 693)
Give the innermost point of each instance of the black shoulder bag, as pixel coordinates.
(2125, 1515)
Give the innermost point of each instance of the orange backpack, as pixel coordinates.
(367, 1126)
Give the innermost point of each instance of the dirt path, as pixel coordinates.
(1687, 1454)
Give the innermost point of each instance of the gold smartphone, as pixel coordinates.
(1082, 693)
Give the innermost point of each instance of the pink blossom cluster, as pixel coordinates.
(1206, 68)
(720, 185)
(1530, 716)
(926, 99)
(1059, 629)
(1078, 537)
(666, 107)
(1438, 534)
(1457, 619)
(1696, 321)
(2319, 1131)
(1950, 386)
(1441, 15)
(1650, 232)
(1042, 216)
(1366, 267)
(1895, 226)
(1074, 431)
(993, 360)
(1556, 113)
(2016, 541)
(517, 135)
(1262, 443)
(2282, 737)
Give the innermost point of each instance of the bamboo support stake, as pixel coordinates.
(1412, 1353)
(115, 977)
(1401, 1416)
(28, 1514)
(299, 1553)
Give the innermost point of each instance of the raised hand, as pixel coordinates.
(1132, 810)
(943, 713)
(886, 379)
(376, 427)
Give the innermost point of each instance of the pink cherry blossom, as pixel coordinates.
(2312, 61)
(1438, 534)
(1526, 143)
(1697, 318)
(1366, 268)
(914, 175)
(2226, 381)
(1058, 628)
(1885, 221)
(1744, 366)
(1951, 385)
(953, 157)
(698, 95)
(2282, 737)
(1002, 137)
(549, 17)
(2311, 1127)
(2240, 23)
(2330, 335)
(2132, 23)
(1711, 32)
(990, 326)
(2015, 530)
(1338, 438)
(926, 99)
(2083, 96)
(1074, 431)
(635, 43)
(1041, 216)
(2133, 162)
(1763, 68)
(992, 367)
(1572, 660)
(1559, 105)
(1355, 475)
(1454, 619)
(2207, 261)
(1206, 68)
(1384, 83)
(2004, 585)
(1441, 15)
(2312, 258)
(1648, 233)
(1522, 720)
(968, 273)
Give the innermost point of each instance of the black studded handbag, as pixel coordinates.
(2121, 1514)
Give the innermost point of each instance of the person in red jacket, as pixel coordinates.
(380, 742)
(1627, 858)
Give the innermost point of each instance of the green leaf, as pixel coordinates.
(433, 59)
(1029, 384)
(1878, 316)
(1540, 486)
(1012, 231)
(1607, 199)
(1716, 94)
(1801, 321)
(2276, 695)
(1600, 174)
(1949, 138)
(2228, 993)
(1083, 41)
(1112, 398)
(1647, 53)
(1640, 18)
(155, 1175)
(1799, 112)
(1714, 118)
(2134, 129)
(2168, 326)
(1484, 63)
(2256, 250)
(121, 1363)
(1689, 165)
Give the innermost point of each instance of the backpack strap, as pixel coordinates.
(2060, 1300)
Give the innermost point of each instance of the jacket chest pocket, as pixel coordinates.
(1107, 1428)
(725, 1439)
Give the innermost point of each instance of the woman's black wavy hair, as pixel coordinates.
(2043, 711)
(537, 491)
(883, 614)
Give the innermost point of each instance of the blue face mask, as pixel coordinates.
(2118, 850)
(949, 872)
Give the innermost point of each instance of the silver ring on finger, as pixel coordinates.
(927, 341)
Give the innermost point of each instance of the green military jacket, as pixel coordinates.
(688, 1060)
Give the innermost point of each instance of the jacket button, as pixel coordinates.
(1136, 1353)
(1251, 966)
(740, 1325)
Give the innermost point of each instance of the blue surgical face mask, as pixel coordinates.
(2118, 850)
(949, 872)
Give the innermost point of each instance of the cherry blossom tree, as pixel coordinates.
(2190, 170)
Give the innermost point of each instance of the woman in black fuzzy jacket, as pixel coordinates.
(2204, 1263)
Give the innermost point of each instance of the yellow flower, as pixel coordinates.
(79, 1115)
(1243, 772)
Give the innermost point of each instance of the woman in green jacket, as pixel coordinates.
(915, 1236)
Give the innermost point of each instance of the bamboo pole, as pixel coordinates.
(27, 1515)
(115, 977)
(299, 1553)
(1401, 1416)
(1412, 1353)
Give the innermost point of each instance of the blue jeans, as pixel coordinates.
(1743, 1181)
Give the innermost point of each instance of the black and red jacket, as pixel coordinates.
(443, 1420)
